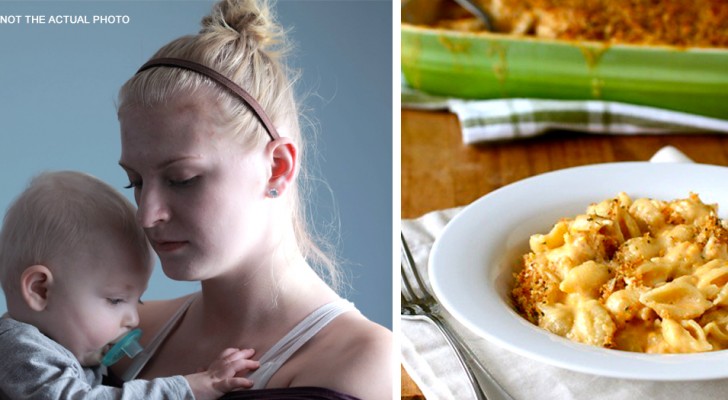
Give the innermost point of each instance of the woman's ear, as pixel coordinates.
(34, 284)
(284, 165)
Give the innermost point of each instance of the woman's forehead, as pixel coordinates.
(195, 108)
(201, 100)
(174, 127)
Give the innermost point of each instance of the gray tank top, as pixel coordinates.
(272, 360)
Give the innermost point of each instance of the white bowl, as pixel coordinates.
(472, 263)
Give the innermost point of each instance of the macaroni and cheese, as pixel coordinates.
(640, 275)
(697, 23)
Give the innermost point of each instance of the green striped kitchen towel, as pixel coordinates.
(502, 119)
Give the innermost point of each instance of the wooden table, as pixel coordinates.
(439, 171)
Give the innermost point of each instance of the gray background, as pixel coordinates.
(58, 84)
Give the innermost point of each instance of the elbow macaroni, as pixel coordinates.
(644, 275)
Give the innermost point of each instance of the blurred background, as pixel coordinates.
(58, 85)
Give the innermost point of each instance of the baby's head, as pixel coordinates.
(74, 262)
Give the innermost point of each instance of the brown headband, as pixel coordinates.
(222, 80)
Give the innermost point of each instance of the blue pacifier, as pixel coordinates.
(128, 345)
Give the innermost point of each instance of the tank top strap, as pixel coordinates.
(277, 355)
(141, 360)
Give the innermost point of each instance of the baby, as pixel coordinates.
(73, 266)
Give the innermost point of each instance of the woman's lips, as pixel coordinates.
(168, 246)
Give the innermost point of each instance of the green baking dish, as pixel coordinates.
(488, 65)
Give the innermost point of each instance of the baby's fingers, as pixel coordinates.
(229, 358)
(230, 367)
(232, 353)
(230, 384)
(228, 352)
(243, 365)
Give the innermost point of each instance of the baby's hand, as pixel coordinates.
(220, 377)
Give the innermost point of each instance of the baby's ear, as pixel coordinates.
(34, 284)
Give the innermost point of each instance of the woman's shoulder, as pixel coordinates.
(352, 355)
(355, 335)
(356, 332)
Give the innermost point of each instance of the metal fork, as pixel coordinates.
(417, 300)
(427, 11)
(479, 12)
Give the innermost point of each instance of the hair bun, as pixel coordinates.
(251, 20)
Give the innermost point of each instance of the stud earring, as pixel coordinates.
(273, 192)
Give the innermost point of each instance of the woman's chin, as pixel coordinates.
(181, 271)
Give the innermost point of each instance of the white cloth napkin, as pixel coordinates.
(503, 119)
(432, 365)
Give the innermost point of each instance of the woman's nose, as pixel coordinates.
(151, 208)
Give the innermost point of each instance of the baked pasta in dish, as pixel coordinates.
(640, 275)
(697, 23)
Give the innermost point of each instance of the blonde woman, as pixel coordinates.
(212, 148)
